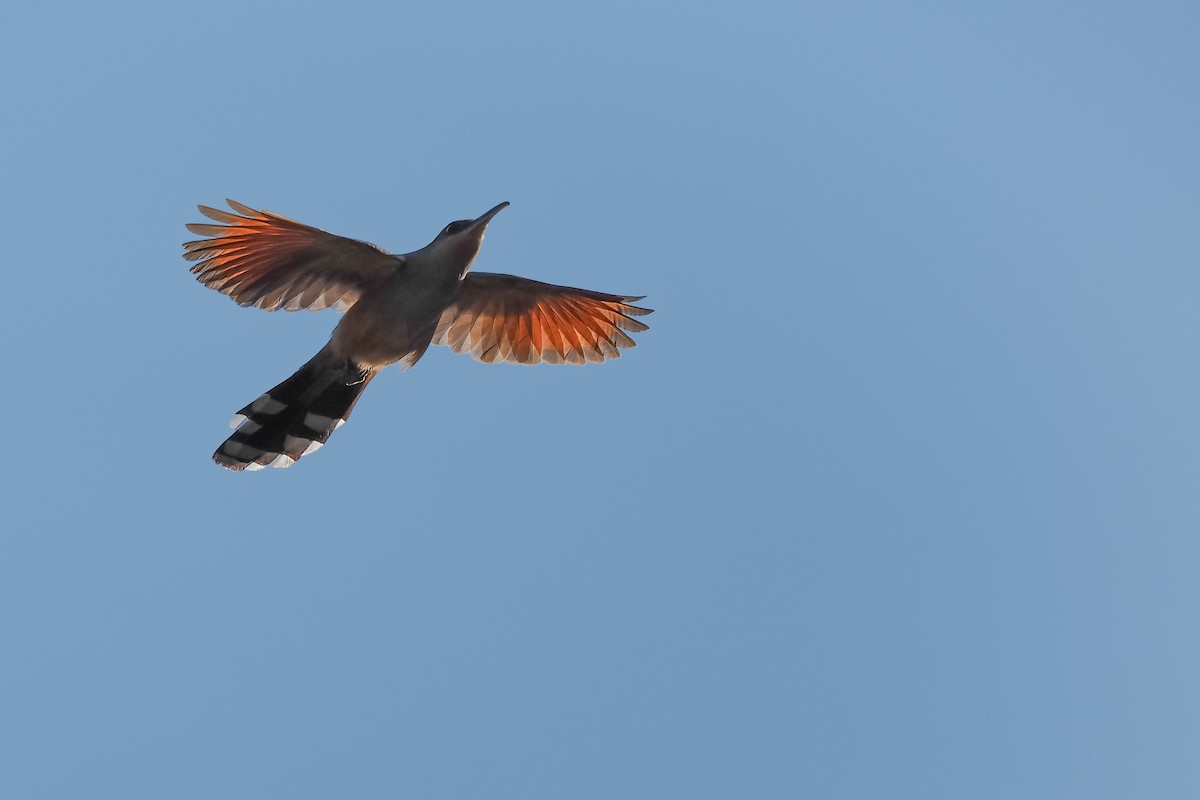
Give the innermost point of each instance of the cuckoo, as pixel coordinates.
(395, 307)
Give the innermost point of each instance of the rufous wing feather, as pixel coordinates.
(271, 262)
(506, 318)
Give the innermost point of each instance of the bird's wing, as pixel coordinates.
(262, 259)
(506, 318)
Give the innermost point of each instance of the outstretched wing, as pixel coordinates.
(271, 262)
(506, 318)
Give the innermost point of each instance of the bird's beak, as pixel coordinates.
(480, 223)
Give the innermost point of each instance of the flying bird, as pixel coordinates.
(396, 306)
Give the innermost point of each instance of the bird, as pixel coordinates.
(395, 307)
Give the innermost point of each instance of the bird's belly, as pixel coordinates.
(395, 324)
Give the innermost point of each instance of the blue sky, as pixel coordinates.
(895, 499)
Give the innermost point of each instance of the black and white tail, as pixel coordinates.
(296, 417)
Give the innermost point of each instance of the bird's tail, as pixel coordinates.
(296, 417)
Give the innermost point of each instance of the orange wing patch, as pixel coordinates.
(271, 262)
(506, 318)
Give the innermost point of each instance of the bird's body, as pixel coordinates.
(397, 321)
(396, 306)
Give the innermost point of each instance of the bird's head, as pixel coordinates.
(459, 242)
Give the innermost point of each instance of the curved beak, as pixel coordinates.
(486, 218)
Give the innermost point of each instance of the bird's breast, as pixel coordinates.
(394, 321)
